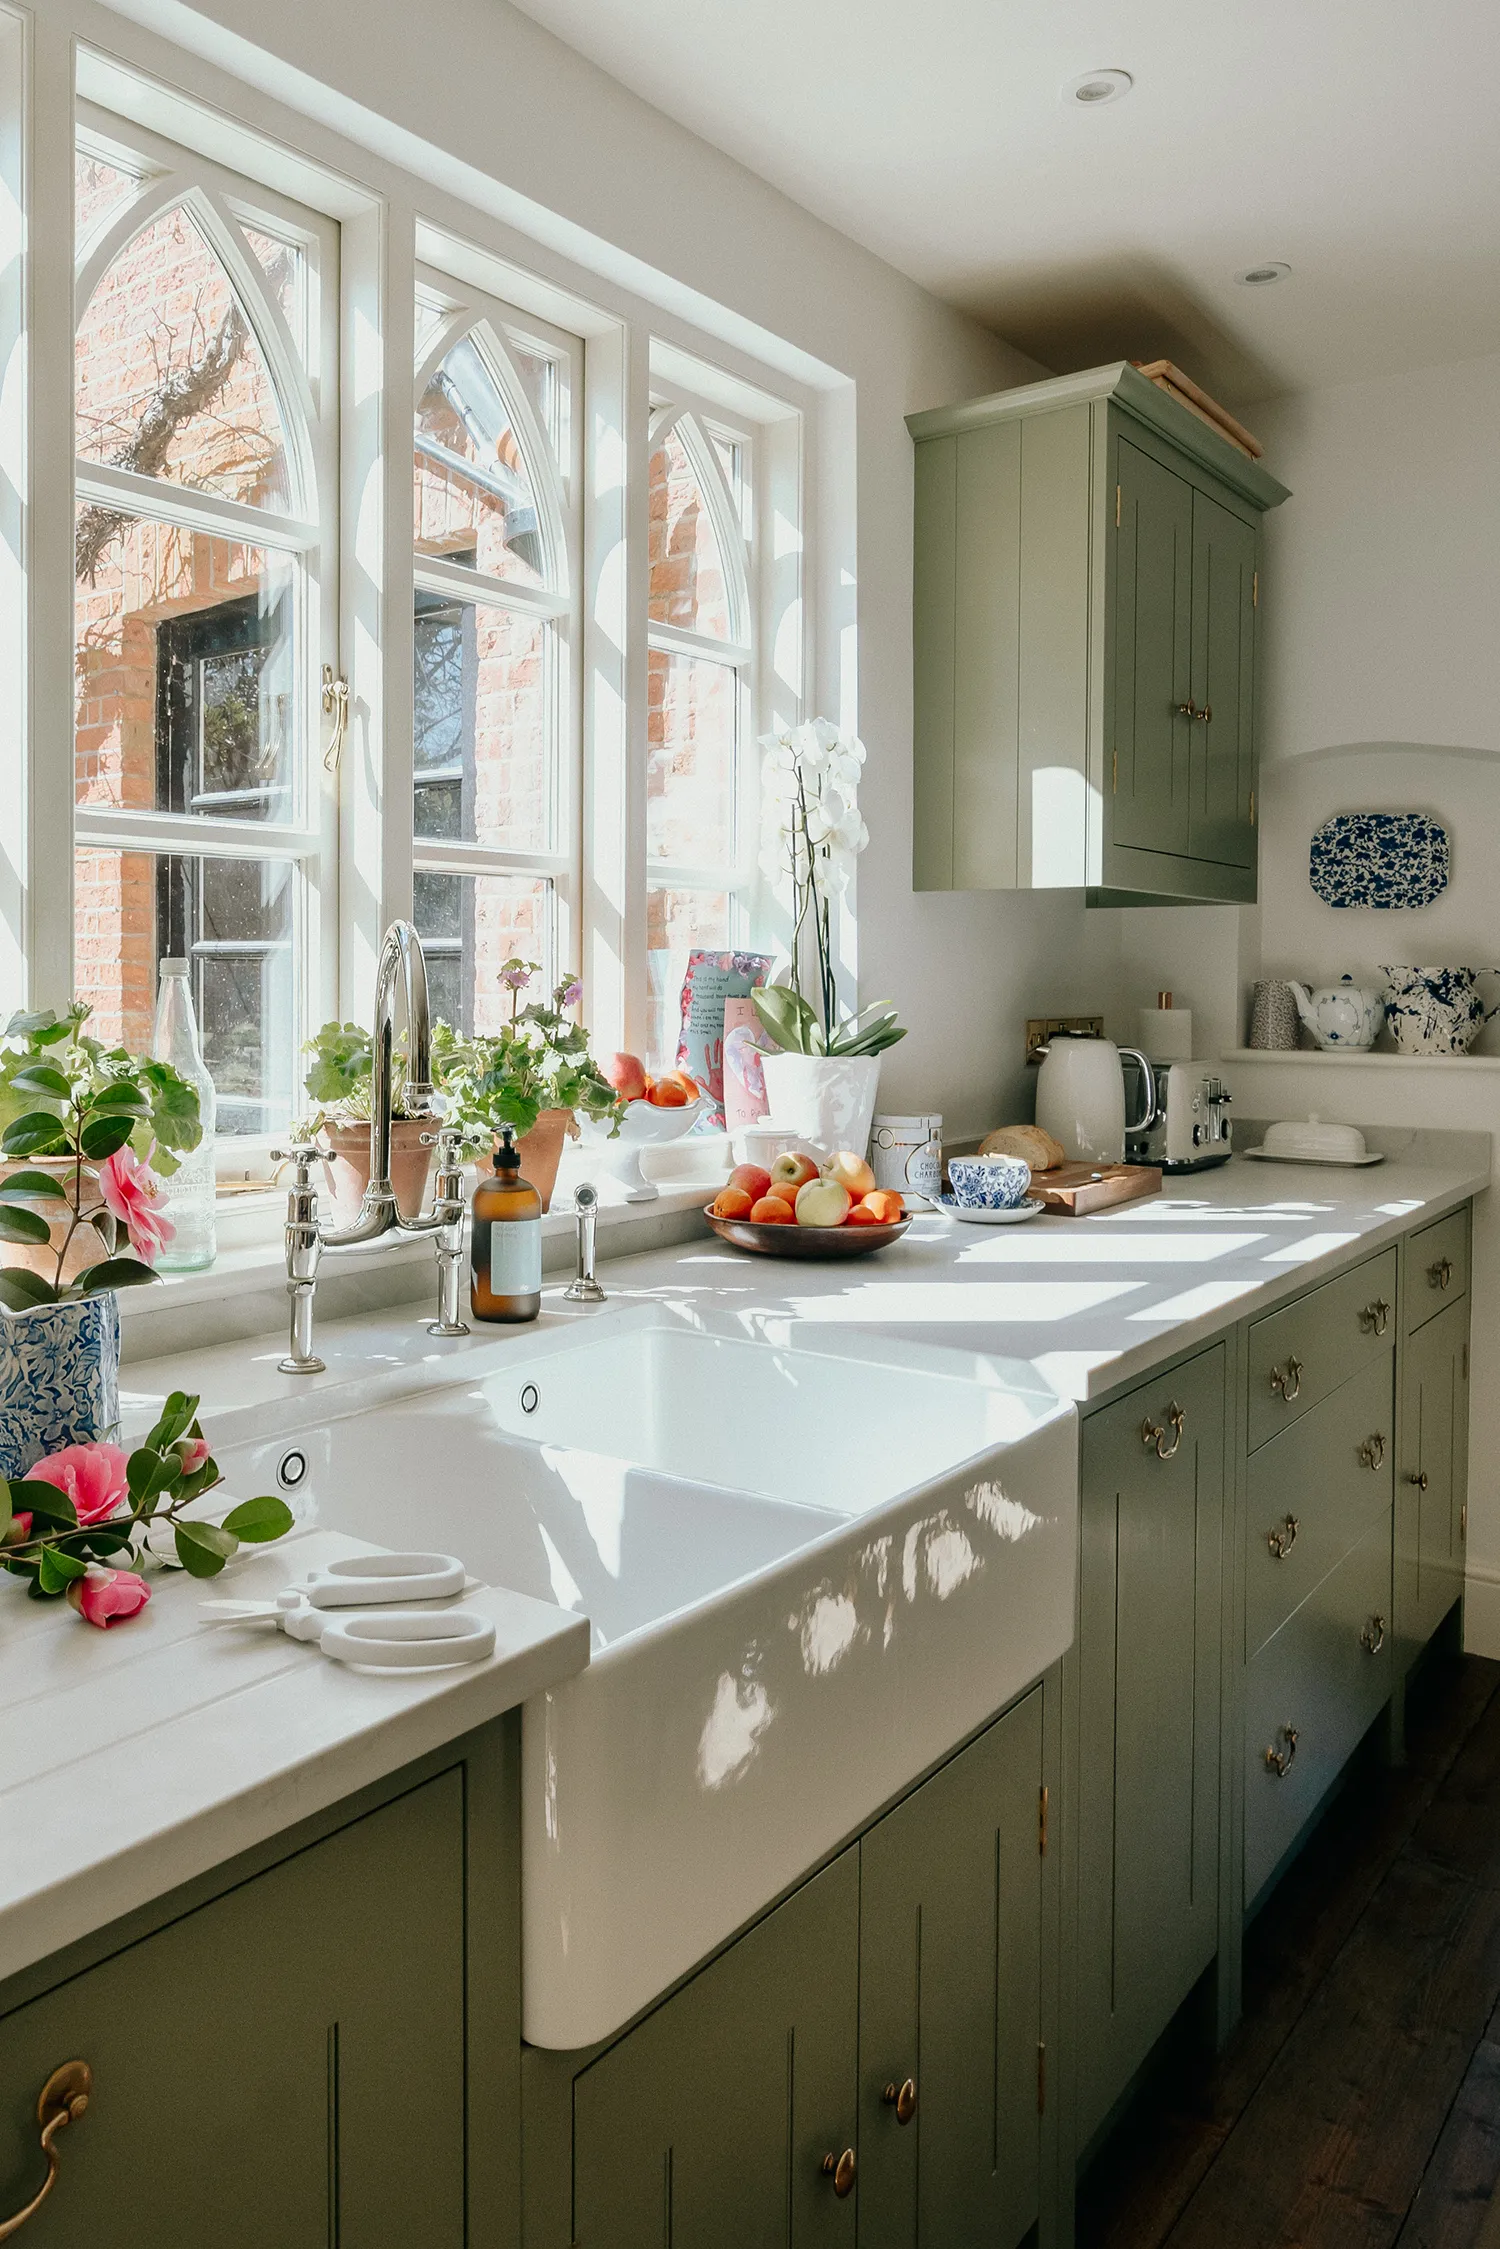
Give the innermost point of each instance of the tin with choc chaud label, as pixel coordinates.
(907, 1153)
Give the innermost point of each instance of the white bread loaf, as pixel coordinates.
(1029, 1142)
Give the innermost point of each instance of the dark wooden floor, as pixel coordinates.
(1358, 2104)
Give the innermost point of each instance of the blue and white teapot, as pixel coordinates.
(1342, 1014)
(1435, 1010)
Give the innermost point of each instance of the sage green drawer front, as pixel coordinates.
(1311, 1694)
(1437, 1268)
(1300, 1354)
(1311, 1494)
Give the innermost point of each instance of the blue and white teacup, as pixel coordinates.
(989, 1182)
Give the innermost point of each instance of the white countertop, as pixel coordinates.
(138, 1757)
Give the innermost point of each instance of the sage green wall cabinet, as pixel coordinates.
(1147, 1664)
(708, 2125)
(950, 1983)
(285, 2064)
(1432, 1481)
(1086, 589)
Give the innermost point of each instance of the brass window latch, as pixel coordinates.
(336, 705)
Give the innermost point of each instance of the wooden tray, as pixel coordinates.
(1076, 1189)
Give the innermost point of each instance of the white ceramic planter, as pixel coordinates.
(826, 1098)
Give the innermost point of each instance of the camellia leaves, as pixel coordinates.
(174, 1421)
(114, 1272)
(102, 1137)
(257, 1521)
(32, 1186)
(17, 1225)
(58, 1568)
(20, 1289)
(40, 1077)
(148, 1472)
(44, 1502)
(38, 1133)
(118, 1094)
(202, 1548)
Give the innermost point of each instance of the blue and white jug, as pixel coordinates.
(1435, 1010)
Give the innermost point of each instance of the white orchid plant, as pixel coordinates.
(812, 834)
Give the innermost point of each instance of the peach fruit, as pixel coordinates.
(772, 1211)
(731, 1202)
(886, 1206)
(667, 1093)
(627, 1075)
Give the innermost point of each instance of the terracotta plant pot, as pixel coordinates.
(346, 1171)
(87, 1246)
(540, 1150)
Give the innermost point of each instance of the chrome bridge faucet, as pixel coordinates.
(307, 1238)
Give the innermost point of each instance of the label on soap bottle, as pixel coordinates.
(515, 1256)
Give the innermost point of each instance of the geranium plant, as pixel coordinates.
(812, 833)
(110, 1125)
(81, 1522)
(539, 1060)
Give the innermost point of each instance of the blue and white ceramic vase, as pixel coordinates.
(59, 1378)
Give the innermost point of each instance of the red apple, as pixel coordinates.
(792, 1171)
(627, 1074)
(850, 1171)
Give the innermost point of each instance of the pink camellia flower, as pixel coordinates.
(192, 1452)
(133, 1194)
(92, 1476)
(107, 1597)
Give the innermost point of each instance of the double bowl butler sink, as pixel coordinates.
(811, 1568)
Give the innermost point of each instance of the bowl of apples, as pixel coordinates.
(799, 1209)
(656, 1110)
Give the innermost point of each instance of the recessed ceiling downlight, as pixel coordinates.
(1262, 276)
(1096, 87)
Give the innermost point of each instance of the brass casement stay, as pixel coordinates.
(1041, 1821)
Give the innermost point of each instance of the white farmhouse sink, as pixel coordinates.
(811, 1566)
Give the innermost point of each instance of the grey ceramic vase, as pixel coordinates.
(59, 1378)
(1273, 1018)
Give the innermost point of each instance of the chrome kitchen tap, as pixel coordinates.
(306, 1237)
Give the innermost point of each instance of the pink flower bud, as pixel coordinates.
(107, 1597)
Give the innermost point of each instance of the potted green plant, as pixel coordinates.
(536, 1075)
(88, 1133)
(338, 1079)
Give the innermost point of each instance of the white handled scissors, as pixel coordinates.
(380, 1638)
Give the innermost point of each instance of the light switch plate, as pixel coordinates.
(1039, 1029)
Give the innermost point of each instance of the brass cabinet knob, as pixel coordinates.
(840, 2168)
(1154, 1433)
(1439, 1275)
(1287, 1380)
(1283, 1538)
(1279, 1761)
(1372, 1451)
(1375, 1318)
(902, 2098)
(1372, 1639)
(62, 2100)
(1419, 1479)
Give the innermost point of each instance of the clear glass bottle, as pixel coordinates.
(190, 1190)
(505, 1281)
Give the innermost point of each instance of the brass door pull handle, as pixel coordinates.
(1154, 1433)
(1439, 1275)
(62, 2100)
(1279, 1761)
(840, 2168)
(1372, 1451)
(1283, 1538)
(903, 2099)
(1375, 1318)
(1372, 1639)
(1419, 1479)
(1287, 1380)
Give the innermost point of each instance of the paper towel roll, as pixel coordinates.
(1166, 1034)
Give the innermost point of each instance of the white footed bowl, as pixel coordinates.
(642, 1126)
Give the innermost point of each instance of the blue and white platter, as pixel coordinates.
(1381, 859)
(974, 1214)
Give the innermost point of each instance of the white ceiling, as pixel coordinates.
(1355, 139)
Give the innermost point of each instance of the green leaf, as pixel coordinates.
(105, 1539)
(37, 1133)
(19, 1289)
(788, 1018)
(174, 1106)
(57, 1568)
(24, 1026)
(114, 1272)
(175, 1420)
(7, 1512)
(44, 1501)
(202, 1548)
(28, 1186)
(148, 1472)
(258, 1521)
(22, 1225)
(119, 1094)
(40, 1077)
(103, 1136)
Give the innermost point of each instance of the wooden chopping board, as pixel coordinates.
(1076, 1189)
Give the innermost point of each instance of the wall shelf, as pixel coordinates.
(1368, 1059)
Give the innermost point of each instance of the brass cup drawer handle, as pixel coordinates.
(1154, 1433)
(62, 2100)
(1279, 1761)
(1376, 1317)
(1281, 1540)
(1372, 1639)
(1287, 1380)
(902, 2098)
(1440, 1274)
(1372, 1451)
(840, 2168)
(1419, 1478)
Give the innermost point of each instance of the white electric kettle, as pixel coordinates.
(1080, 1097)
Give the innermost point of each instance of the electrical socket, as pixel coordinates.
(1039, 1029)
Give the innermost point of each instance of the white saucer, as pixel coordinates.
(1334, 1163)
(1014, 1215)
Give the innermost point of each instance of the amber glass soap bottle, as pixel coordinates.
(505, 1279)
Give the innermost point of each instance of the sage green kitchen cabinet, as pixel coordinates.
(284, 2065)
(950, 1995)
(1085, 603)
(1147, 1666)
(709, 2125)
(1432, 1476)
